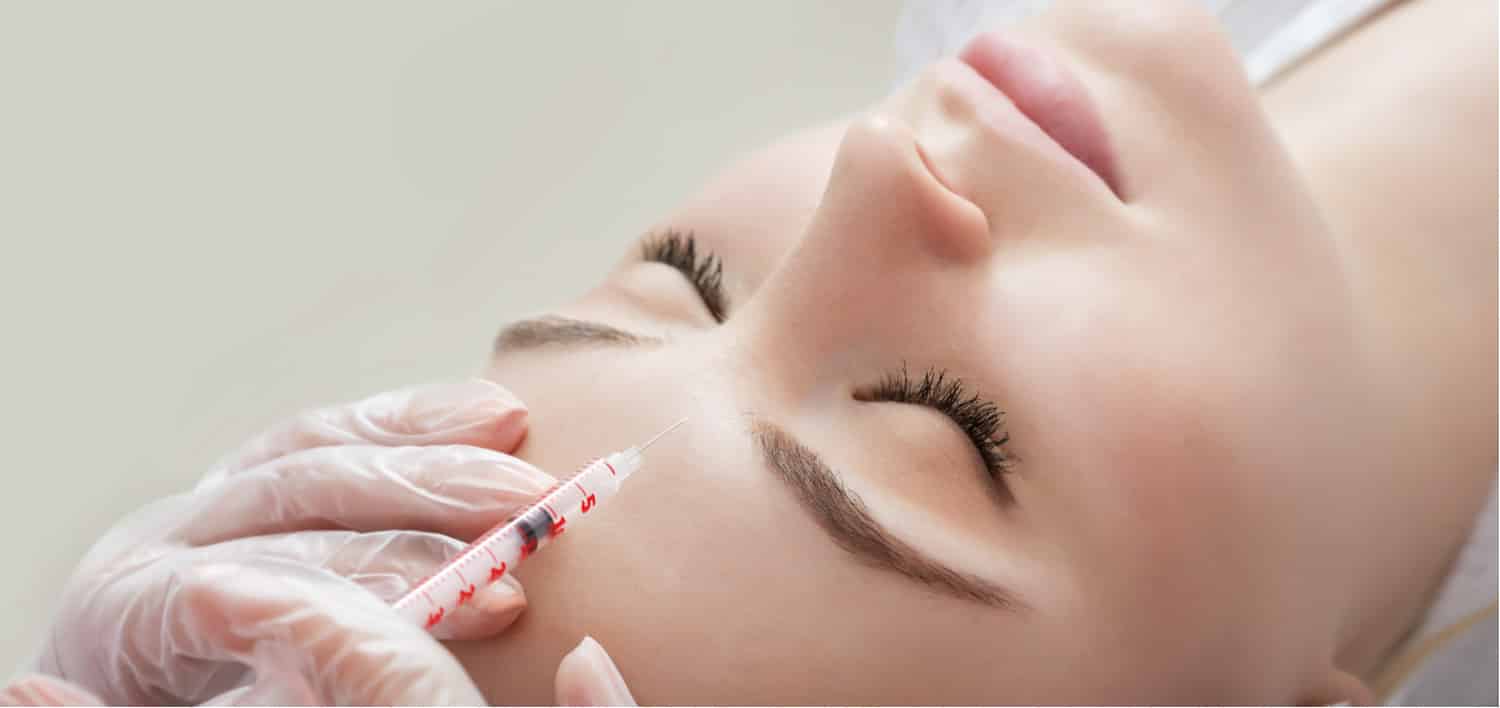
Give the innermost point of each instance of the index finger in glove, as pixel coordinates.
(343, 644)
(457, 490)
(473, 412)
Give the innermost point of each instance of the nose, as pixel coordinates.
(887, 256)
(884, 201)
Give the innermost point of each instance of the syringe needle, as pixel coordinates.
(659, 435)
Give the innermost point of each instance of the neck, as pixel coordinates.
(1399, 151)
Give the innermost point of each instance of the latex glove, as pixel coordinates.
(284, 559)
(43, 690)
(585, 677)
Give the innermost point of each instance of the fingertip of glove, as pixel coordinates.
(502, 398)
(464, 404)
(493, 609)
(506, 592)
(587, 676)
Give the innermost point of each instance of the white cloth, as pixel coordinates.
(1462, 672)
(1271, 36)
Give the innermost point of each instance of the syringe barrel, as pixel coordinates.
(575, 496)
(499, 550)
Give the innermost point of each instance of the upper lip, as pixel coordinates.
(1045, 91)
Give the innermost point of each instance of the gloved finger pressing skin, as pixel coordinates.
(587, 676)
(456, 490)
(388, 564)
(44, 690)
(342, 643)
(121, 584)
(140, 601)
(410, 459)
(473, 412)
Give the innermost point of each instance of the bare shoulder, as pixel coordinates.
(1394, 126)
(1429, 58)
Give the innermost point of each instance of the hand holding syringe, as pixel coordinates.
(278, 560)
(500, 549)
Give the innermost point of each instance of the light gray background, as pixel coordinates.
(215, 214)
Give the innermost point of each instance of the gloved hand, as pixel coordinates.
(285, 557)
(585, 677)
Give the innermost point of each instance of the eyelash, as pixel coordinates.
(705, 271)
(982, 421)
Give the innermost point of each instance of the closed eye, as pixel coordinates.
(703, 269)
(981, 421)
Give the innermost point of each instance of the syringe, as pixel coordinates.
(500, 549)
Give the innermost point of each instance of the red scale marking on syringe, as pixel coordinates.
(433, 617)
(588, 499)
(464, 595)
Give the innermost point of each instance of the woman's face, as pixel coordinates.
(1086, 224)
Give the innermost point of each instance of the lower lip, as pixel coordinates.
(1049, 95)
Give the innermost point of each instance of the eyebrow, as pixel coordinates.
(847, 519)
(555, 330)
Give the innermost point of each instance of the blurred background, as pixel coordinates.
(216, 214)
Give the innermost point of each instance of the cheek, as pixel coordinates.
(1128, 468)
(1160, 569)
(763, 610)
(1147, 478)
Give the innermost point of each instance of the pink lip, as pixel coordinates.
(1048, 95)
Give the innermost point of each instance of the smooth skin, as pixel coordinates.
(1250, 390)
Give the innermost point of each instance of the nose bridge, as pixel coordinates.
(878, 258)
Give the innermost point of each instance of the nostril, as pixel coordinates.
(884, 179)
(932, 167)
(968, 214)
(950, 184)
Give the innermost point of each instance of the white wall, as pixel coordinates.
(215, 214)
